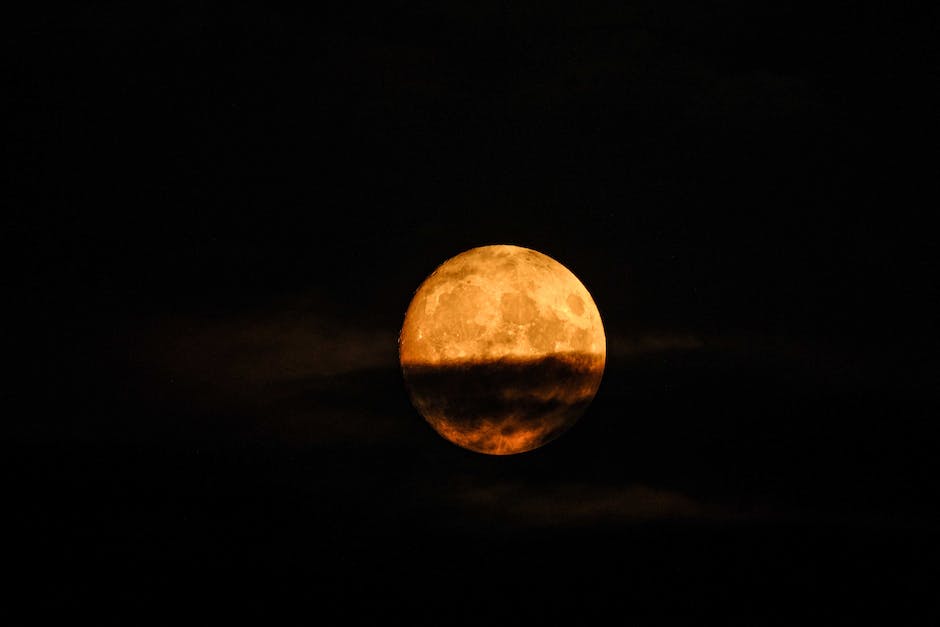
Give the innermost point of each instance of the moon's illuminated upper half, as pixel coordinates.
(495, 302)
(502, 348)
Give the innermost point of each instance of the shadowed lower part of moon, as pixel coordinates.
(504, 406)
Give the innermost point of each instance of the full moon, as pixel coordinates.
(502, 349)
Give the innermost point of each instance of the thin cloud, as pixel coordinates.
(575, 504)
(250, 352)
(295, 377)
(645, 343)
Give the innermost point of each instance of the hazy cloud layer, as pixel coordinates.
(573, 504)
(652, 342)
(277, 346)
(245, 355)
(304, 376)
(294, 376)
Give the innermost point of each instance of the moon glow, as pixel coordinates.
(502, 349)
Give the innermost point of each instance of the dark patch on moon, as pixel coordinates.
(505, 406)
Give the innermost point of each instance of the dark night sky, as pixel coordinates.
(218, 216)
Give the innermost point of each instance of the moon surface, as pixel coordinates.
(502, 349)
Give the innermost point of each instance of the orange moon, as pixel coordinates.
(502, 349)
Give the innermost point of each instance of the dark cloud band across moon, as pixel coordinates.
(505, 406)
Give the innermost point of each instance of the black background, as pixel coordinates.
(218, 214)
